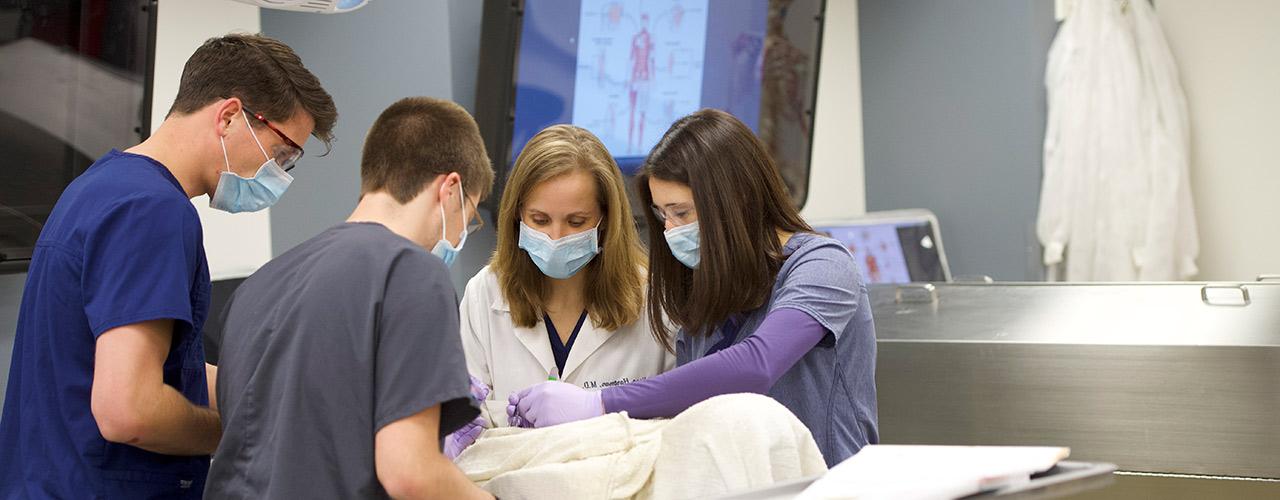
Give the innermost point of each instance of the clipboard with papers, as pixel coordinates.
(947, 472)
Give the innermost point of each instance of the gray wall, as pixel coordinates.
(367, 60)
(953, 117)
(464, 35)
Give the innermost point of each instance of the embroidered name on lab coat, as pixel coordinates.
(592, 384)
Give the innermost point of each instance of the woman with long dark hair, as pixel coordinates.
(762, 303)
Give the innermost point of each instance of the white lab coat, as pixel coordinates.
(510, 359)
(1115, 203)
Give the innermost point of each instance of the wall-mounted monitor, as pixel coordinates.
(626, 69)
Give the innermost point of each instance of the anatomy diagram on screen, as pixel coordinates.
(784, 122)
(878, 251)
(638, 84)
(639, 63)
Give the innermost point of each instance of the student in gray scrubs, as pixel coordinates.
(340, 364)
(763, 304)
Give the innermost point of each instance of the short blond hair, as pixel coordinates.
(615, 278)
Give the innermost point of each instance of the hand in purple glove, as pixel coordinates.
(460, 439)
(466, 436)
(553, 403)
(513, 412)
(479, 391)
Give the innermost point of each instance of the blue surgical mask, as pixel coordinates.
(237, 194)
(443, 249)
(683, 241)
(562, 258)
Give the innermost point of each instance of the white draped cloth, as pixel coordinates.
(1115, 203)
(723, 445)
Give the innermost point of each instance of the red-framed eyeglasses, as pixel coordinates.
(286, 155)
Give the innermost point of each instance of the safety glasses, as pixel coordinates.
(678, 215)
(287, 154)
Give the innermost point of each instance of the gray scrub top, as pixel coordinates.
(832, 389)
(322, 347)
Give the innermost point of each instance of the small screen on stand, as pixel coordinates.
(891, 252)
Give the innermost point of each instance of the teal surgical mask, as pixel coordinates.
(443, 248)
(237, 194)
(683, 241)
(562, 258)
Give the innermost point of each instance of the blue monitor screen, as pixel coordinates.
(892, 252)
(626, 69)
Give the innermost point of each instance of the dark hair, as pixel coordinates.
(264, 73)
(741, 203)
(417, 139)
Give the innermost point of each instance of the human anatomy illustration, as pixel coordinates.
(640, 66)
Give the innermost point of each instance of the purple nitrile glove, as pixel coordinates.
(460, 439)
(513, 412)
(553, 403)
(479, 391)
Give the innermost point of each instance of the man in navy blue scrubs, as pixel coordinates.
(107, 393)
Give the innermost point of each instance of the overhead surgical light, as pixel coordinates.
(320, 6)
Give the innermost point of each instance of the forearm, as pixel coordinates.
(172, 425)
(456, 485)
(752, 365)
(211, 375)
(409, 463)
(131, 403)
(440, 479)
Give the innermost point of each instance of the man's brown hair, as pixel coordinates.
(417, 139)
(264, 73)
(742, 204)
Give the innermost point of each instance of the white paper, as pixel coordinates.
(932, 472)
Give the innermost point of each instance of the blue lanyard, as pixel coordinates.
(729, 330)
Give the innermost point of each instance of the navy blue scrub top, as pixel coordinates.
(560, 350)
(123, 245)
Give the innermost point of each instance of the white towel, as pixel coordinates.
(722, 445)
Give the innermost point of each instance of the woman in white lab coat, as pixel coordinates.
(564, 295)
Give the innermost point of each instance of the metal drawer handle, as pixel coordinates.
(1268, 277)
(924, 293)
(1244, 295)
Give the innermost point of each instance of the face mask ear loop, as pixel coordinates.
(251, 134)
(462, 199)
(223, 142)
(444, 226)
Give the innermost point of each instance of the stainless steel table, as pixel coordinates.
(1176, 383)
